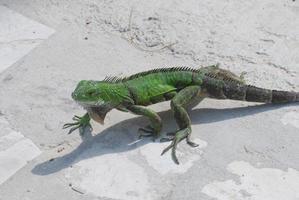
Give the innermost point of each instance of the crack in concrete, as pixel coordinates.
(22, 41)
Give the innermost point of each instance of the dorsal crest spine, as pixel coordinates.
(115, 79)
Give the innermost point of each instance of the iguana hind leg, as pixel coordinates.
(155, 127)
(178, 105)
(195, 101)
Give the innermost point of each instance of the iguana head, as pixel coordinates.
(95, 97)
(87, 93)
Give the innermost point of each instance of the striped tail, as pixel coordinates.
(256, 94)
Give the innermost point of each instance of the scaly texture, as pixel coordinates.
(184, 86)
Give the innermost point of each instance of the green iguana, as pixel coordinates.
(184, 87)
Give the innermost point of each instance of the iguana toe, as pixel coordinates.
(173, 147)
(148, 131)
(178, 137)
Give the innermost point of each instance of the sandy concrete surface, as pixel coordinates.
(247, 151)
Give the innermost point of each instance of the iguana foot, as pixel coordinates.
(176, 138)
(171, 136)
(80, 122)
(148, 131)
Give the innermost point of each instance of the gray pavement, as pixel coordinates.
(247, 151)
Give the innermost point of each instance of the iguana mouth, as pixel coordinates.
(84, 105)
(91, 103)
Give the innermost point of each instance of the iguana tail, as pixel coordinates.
(256, 94)
(228, 90)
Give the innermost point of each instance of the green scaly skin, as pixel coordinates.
(184, 87)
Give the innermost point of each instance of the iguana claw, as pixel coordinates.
(176, 138)
(80, 122)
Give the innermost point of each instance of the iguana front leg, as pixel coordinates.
(80, 122)
(155, 127)
(178, 105)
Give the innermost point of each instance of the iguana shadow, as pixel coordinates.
(123, 136)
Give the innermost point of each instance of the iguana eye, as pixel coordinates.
(91, 93)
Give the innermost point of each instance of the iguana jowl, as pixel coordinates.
(183, 86)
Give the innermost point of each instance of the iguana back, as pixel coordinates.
(154, 86)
